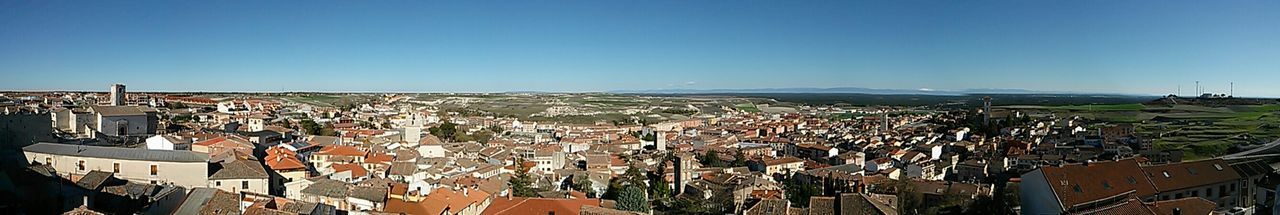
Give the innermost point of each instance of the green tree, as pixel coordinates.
(582, 183)
(798, 192)
(328, 130)
(658, 187)
(712, 158)
(739, 158)
(445, 131)
(311, 127)
(522, 184)
(632, 199)
(649, 137)
(688, 206)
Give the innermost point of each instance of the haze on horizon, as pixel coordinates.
(1127, 47)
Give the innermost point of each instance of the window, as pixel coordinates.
(80, 165)
(115, 168)
(1131, 180)
(48, 161)
(244, 184)
(155, 169)
(1195, 193)
(1222, 190)
(217, 183)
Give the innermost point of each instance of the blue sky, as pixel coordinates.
(1146, 47)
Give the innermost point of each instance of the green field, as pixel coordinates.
(1201, 131)
(748, 107)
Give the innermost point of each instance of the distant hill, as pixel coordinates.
(970, 100)
(847, 90)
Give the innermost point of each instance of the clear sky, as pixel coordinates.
(1108, 46)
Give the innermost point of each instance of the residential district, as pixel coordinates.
(116, 152)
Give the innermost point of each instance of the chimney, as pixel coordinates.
(464, 191)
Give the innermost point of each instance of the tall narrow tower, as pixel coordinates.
(986, 110)
(117, 94)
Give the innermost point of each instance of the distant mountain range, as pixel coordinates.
(854, 90)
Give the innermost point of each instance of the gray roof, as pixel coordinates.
(328, 188)
(117, 152)
(374, 194)
(240, 169)
(118, 110)
(203, 200)
(94, 179)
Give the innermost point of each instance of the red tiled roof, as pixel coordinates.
(1177, 176)
(378, 158)
(284, 162)
(341, 151)
(438, 201)
(538, 206)
(356, 169)
(1076, 184)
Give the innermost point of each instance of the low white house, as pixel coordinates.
(165, 142)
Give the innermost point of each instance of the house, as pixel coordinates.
(119, 121)
(464, 201)
(209, 201)
(971, 170)
(332, 154)
(368, 198)
(134, 164)
(223, 143)
(875, 165)
(1211, 179)
(778, 166)
(327, 191)
(240, 176)
(522, 205)
(1082, 188)
(168, 142)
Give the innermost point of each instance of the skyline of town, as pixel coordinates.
(1123, 47)
(656, 107)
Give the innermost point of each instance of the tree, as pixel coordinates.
(311, 127)
(632, 199)
(712, 158)
(688, 206)
(658, 187)
(522, 184)
(583, 184)
(649, 137)
(327, 130)
(445, 131)
(798, 192)
(739, 158)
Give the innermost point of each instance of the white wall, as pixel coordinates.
(236, 185)
(185, 174)
(137, 124)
